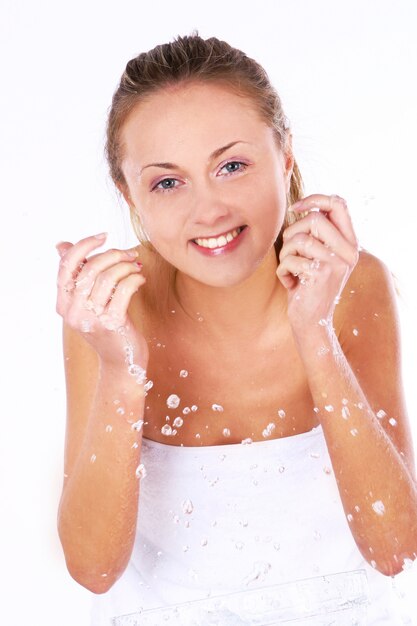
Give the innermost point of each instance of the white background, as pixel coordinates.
(346, 74)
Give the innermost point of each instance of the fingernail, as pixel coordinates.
(296, 205)
(132, 253)
(101, 236)
(60, 252)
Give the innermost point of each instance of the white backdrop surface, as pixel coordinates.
(346, 75)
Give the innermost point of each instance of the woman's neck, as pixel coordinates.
(223, 311)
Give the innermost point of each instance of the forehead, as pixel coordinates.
(198, 117)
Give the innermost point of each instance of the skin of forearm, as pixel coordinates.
(98, 509)
(377, 490)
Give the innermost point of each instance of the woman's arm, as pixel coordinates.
(99, 503)
(354, 379)
(356, 385)
(105, 357)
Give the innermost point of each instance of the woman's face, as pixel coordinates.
(205, 174)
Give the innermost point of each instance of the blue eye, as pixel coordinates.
(166, 184)
(234, 166)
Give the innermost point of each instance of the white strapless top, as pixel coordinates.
(241, 534)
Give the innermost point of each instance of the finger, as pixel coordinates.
(317, 225)
(100, 263)
(125, 289)
(295, 269)
(108, 282)
(304, 245)
(62, 247)
(73, 257)
(336, 209)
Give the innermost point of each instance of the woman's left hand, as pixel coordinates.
(318, 255)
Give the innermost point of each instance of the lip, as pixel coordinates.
(228, 247)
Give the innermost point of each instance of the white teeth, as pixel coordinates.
(218, 242)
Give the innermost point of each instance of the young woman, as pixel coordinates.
(237, 374)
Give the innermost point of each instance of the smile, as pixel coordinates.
(219, 242)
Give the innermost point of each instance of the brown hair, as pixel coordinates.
(193, 59)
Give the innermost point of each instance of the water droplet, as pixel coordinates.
(194, 408)
(140, 471)
(178, 421)
(85, 326)
(378, 507)
(176, 519)
(259, 571)
(116, 401)
(355, 332)
(327, 470)
(109, 428)
(267, 432)
(183, 373)
(93, 458)
(344, 401)
(314, 455)
(373, 563)
(226, 432)
(345, 412)
(166, 430)
(185, 548)
(317, 535)
(354, 432)
(187, 506)
(349, 517)
(281, 413)
(246, 441)
(186, 410)
(316, 409)
(217, 407)
(281, 469)
(120, 411)
(244, 523)
(204, 542)
(198, 436)
(323, 322)
(173, 401)
(381, 413)
(239, 545)
(408, 564)
(148, 385)
(329, 408)
(360, 405)
(137, 425)
(135, 445)
(357, 508)
(392, 421)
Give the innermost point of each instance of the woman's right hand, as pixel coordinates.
(93, 298)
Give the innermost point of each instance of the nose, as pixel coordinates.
(209, 206)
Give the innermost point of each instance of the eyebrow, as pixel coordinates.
(214, 155)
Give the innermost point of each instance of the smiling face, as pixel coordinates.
(208, 180)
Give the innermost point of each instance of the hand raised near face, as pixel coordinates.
(318, 255)
(94, 293)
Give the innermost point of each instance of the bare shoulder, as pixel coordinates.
(367, 325)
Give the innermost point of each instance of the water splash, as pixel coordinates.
(140, 471)
(267, 432)
(187, 506)
(173, 401)
(379, 507)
